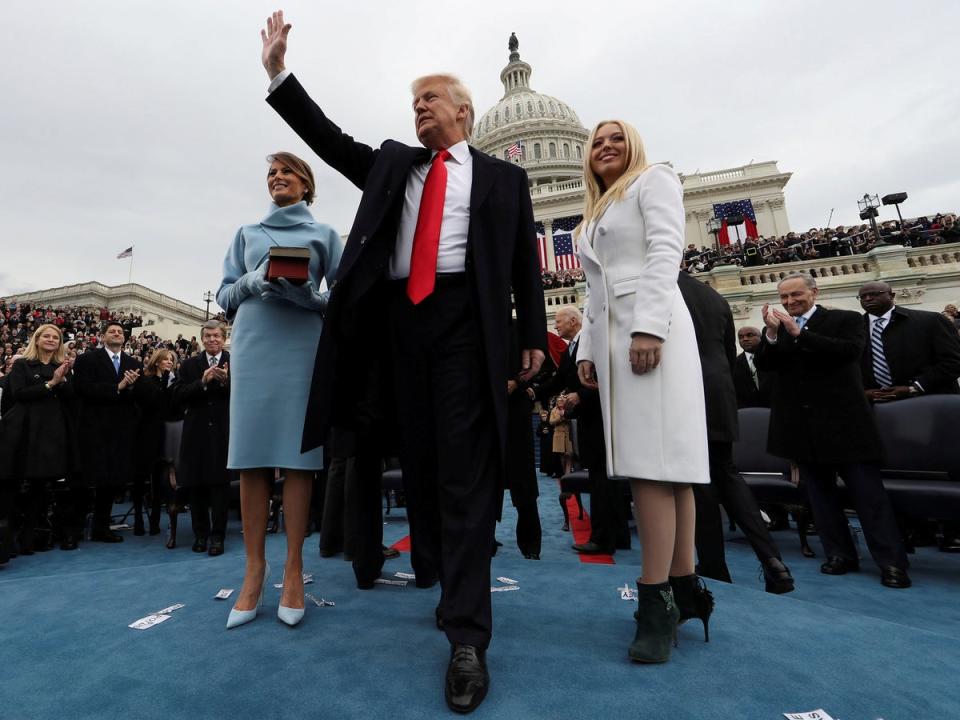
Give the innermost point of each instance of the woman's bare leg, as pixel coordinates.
(297, 489)
(654, 508)
(254, 507)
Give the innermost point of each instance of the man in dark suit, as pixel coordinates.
(713, 325)
(908, 353)
(752, 386)
(820, 418)
(202, 391)
(442, 236)
(108, 423)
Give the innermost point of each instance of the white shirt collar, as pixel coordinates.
(458, 151)
(808, 314)
(217, 357)
(885, 317)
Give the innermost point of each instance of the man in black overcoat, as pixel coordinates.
(202, 391)
(753, 387)
(108, 423)
(713, 325)
(445, 262)
(909, 353)
(820, 418)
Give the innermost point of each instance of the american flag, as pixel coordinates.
(541, 244)
(514, 151)
(564, 249)
(126, 253)
(737, 207)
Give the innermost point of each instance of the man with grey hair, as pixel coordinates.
(820, 419)
(443, 236)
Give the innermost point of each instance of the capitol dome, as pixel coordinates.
(549, 133)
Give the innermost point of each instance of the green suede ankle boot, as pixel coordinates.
(657, 615)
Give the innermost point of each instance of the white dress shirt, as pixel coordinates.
(885, 317)
(214, 357)
(452, 253)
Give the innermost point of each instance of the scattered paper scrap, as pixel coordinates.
(223, 594)
(504, 588)
(508, 581)
(820, 714)
(405, 576)
(319, 602)
(148, 622)
(627, 593)
(385, 581)
(168, 610)
(307, 578)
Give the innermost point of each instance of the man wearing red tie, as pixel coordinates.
(443, 235)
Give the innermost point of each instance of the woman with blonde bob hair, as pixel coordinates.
(38, 437)
(638, 347)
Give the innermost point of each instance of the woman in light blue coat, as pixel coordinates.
(276, 326)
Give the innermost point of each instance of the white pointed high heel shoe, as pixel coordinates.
(242, 617)
(290, 616)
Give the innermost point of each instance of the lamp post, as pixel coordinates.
(207, 298)
(868, 211)
(714, 226)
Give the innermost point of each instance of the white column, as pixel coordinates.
(548, 233)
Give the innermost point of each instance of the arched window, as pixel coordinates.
(553, 108)
(553, 150)
(529, 108)
(496, 116)
(540, 103)
(566, 151)
(519, 109)
(537, 153)
(506, 113)
(579, 152)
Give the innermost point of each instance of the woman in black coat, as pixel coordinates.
(154, 400)
(38, 441)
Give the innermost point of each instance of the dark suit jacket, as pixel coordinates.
(716, 343)
(108, 418)
(919, 346)
(501, 256)
(819, 412)
(748, 394)
(206, 424)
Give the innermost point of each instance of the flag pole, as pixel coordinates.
(130, 270)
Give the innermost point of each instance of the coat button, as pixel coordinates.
(363, 239)
(603, 308)
(601, 229)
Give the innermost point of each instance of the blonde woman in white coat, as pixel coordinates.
(638, 347)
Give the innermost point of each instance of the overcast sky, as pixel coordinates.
(127, 122)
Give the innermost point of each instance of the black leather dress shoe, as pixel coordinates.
(591, 548)
(467, 678)
(216, 547)
(839, 566)
(894, 577)
(106, 536)
(777, 578)
(69, 542)
(532, 556)
(199, 545)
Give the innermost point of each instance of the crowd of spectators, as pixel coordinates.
(822, 243)
(561, 278)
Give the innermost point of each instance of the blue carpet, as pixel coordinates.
(845, 644)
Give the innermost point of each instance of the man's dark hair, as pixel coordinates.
(110, 323)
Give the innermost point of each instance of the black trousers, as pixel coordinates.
(364, 517)
(727, 486)
(450, 451)
(208, 510)
(871, 503)
(103, 498)
(335, 532)
(609, 510)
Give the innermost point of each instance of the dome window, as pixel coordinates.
(519, 109)
(540, 103)
(537, 153)
(566, 151)
(506, 113)
(579, 151)
(553, 150)
(529, 108)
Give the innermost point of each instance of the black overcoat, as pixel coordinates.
(748, 392)
(155, 400)
(108, 418)
(521, 471)
(501, 256)
(716, 343)
(38, 432)
(819, 412)
(206, 424)
(919, 346)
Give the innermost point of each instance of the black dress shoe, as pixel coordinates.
(894, 577)
(591, 548)
(216, 547)
(69, 542)
(467, 678)
(426, 582)
(138, 529)
(154, 529)
(106, 536)
(390, 553)
(199, 545)
(839, 566)
(777, 578)
(532, 556)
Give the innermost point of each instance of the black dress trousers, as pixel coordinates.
(450, 450)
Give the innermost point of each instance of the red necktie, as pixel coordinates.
(426, 238)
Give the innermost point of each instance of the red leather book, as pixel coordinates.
(290, 263)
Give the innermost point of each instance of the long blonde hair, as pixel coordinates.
(32, 353)
(597, 197)
(158, 356)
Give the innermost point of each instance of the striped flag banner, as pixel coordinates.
(515, 150)
(564, 247)
(541, 245)
(126, 253)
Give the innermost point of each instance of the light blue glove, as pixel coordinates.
(305, 296)
(252, 283)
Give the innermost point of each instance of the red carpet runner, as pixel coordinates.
(581, 532)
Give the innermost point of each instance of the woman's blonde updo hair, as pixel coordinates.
(598, 197)
(300, 169)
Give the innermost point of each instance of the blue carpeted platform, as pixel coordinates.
(845, 644)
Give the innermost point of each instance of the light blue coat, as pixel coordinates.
(273, 343)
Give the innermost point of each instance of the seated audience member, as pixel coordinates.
(752, 386)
